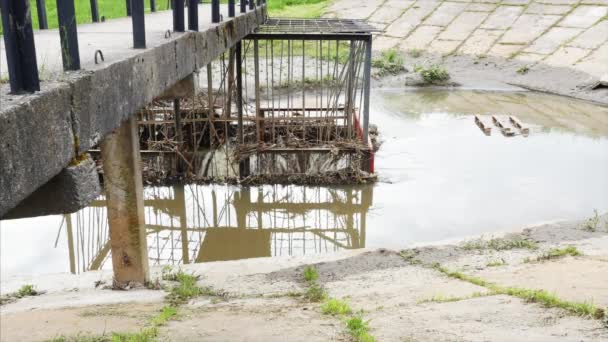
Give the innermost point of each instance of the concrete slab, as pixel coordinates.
(445, 13)
(553, 39)
(411, 18)
(528, 27)
(566, 56)
(483, 7)
(503, 17)
(421, 37)
(593, 37)
(584, 16)
(579, 279)
(444, 47)
(538, 8)
(595, 64)
(385, 14)
(480, 41)
(463, 26)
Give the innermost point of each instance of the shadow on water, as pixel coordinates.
(441, 178)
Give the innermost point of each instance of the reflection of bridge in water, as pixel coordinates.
(188, 224)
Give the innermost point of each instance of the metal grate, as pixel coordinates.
(315, 26)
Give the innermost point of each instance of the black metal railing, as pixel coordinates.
(19, 35)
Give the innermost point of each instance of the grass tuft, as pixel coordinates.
(311, 274)
(315, 293)
(433, 74)
(358, 329)
(496, 263)
(166, 314)
(390, 62)
(592, 223)
(186, 289)
(415, 53)
(500, 244)
(523, 70)
(556, 253)
(335, 307)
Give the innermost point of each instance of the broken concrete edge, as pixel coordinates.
(71, 190)
(40, 132)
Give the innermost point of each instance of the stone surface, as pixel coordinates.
(445, 13)
(411, 18)
(553, 39)
(421, 37)
(528, 27)
(462, 26)
(567, 56)
(593, 37)
(584, 16)
(71, 190)
(480, 41)
(503, 17)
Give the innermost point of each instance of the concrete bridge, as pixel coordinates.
(46, 130)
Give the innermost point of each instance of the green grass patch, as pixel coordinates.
(448, 299)
(557, 253)
(358, 329)
(297, 8)
(496, 263)
(433, 74)
(335, 307)
(315, 293)
(311, 274)
(27, 290)
(523, 70)
(166, 314)
(390, 62)
(500, 244)
(415, 53)
(186, 288)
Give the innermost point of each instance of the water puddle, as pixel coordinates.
(441, 178)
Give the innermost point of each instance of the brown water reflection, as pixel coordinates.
(188, 224)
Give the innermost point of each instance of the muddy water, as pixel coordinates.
(440, 178)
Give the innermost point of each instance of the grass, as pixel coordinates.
(592, 223)
(390, 62)
(310, 274)
(523, 70)
(556, 253)
(27, 290)
(415, 53)
(315, 293)
(541, 297)
(336, 307)
(496, 263)
(358, 329)
(433, 74)
(187, 287)
(166, 314)
(448, 299)
(297, 8)
(500, 244)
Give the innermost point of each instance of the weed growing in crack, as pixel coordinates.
(310, 274)
(500, 244)
(315, 293)
(334, 307)
(523, 70)
(556, 253)
(496, 263)
(358, 329)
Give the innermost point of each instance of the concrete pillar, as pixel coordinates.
(124, 196)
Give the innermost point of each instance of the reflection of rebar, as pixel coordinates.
(298, 221)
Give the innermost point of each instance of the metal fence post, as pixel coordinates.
(243, 6)
(367, 75)
(19, 46)
(215, 11)
(152, 6)
(94, 11)
(178, 15)
(68, 34)
(128, 8)
(139, 24)
(42, 21)
(193, 15)
(231, 8)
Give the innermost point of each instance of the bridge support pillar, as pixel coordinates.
(124, 195)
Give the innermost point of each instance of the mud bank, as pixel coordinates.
(404, 294)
